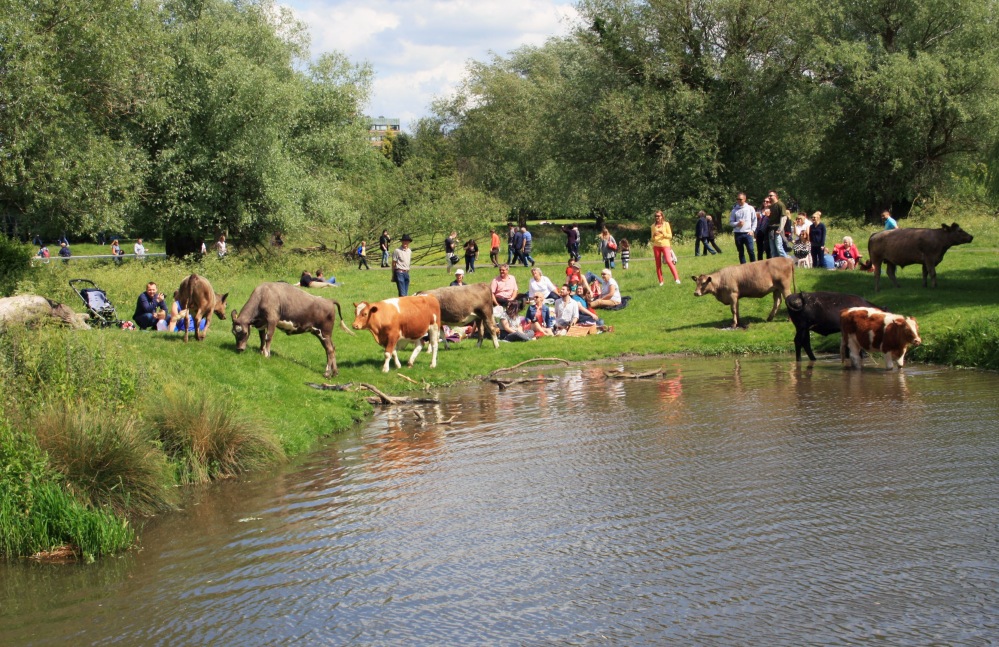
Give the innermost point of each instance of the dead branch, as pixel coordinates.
(385, 399)
(349, 386)
(407, 378)
(621, 374)
(418, 414)
(404, 401)
(503, 384)
(528, 361)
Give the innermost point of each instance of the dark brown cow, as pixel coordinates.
(465, 304)
(819, 312)
(409, 318)
(750, 280)
(282, 305)
(875, 330)
(901, 247)
(198, 299)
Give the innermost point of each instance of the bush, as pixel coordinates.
(209, 440)
(108, 461)
(15, 263)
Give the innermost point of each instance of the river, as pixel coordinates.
(735, 501)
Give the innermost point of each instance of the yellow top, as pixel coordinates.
(661, 235)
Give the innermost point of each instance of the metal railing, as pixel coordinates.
(38, 259)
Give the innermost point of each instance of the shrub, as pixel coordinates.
(109, 461)
(209, 440)
(15, 263)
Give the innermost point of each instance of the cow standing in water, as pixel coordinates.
(874, 330)
(819, 312)
(283, 306)
(409, 318)
(198, 299)
(901, 247)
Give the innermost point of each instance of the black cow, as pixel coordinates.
(819, 311)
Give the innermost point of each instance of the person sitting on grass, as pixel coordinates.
(566, 311)
(541, 284)
(610, 293)
(540, 317)
(310, 281)
(508, 319)
(176, 322)
(150, 308)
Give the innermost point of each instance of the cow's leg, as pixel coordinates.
(901, 360)
(891, 273)
(931, 270)
(735, 311)
(435, 333)
(803, 340)
(856, 359)
(773, 311)
(415, 353)
(877, 277)
(266, 337)
(182, 320)
(390, 353)
(326, 339)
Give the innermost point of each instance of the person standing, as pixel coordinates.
(608, 248)
(888, 220)
(383, 245)
(817, 236)
(362, 255)
(779, 229)
(701, 234)
(662, 241)
(401, 259)
(450, 245)
(139, 248)
(511, 245)
(743, 221)
(762, 233)
(220, 246)
(494, 245)
(471, 252)
(526, 246)
(571, 241)
(64, 251)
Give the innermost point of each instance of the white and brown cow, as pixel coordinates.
(877, 331)
(409, 318)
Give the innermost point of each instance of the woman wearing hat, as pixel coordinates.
(459, 278)
(401, 259)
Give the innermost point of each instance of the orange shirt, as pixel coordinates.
(494, 243)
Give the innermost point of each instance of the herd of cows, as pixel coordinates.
(864, 327)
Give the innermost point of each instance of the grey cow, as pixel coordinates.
(901, 247)
(750, 280)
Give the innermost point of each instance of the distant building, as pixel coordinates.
(379, 129)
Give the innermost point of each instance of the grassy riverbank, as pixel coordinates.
(165, 413)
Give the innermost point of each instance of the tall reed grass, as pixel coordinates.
(207, 438)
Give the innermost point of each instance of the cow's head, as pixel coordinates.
(219, 308)
(704, 285)
(957, 235)
(901, 333)
(362, 311)
(240, 332)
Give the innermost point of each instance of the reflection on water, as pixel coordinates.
(732, 502)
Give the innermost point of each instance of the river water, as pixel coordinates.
(733, 502)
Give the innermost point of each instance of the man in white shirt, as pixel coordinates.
(140, 251)
(743, 221)
(566, 311)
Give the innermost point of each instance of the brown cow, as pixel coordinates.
(282, 305)
(196, 295)
(875, 330)
(408, 318)
(901, 247)
(466, 304)
(750, 280)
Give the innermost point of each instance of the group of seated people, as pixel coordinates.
(151, 312)
(318, 280)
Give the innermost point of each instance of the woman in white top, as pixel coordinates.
(542, 285)
(610, 293)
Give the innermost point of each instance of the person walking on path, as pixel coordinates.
(401, 259)
(571, 241)
(516, 243)
(743, 221)
(494, 245)
(139, 248)
(888, 220)
(712, 233)
(526, 247)
(471, 252)
(702, 232)
(780, 227)
(450, 245)
(817, 236)
(383, 245)
(662, 241)
(362, 255)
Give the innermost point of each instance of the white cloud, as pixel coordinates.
(419, 48)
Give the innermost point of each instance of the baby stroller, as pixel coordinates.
(101, 310)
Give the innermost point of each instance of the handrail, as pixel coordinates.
(35, 259)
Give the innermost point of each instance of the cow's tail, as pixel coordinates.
(343, 324)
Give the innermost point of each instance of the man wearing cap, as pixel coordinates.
(401, 258)
(459, 278)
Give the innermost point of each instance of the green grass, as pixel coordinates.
(157, 375)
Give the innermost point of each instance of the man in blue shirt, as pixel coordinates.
(888, 220)
(743, 221)
(527, 246)
(150, 309)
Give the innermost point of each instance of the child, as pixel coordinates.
(624, 247)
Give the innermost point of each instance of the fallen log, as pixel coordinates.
(621, 374)
(528, 361)
(378, 400)
(349, 386)
(503, 384)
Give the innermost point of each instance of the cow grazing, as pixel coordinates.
(284, 306)
(465, 304)
(750, 280)
(31, 309)
(818, 311)
(901, 247)
(875, 330)
(198, 299)
(408, 318)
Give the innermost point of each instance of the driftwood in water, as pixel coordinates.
(528, 361)
(503, 384)
(383, 398)
(621, 374)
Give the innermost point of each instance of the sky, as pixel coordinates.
(419, 49)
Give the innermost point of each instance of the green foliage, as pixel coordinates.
(207, 437)
(109, 461)
(15, 262)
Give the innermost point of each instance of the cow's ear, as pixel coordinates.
(955, 226)
(694, 279)
(372, 310)
(225, 296)
(234, 315)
